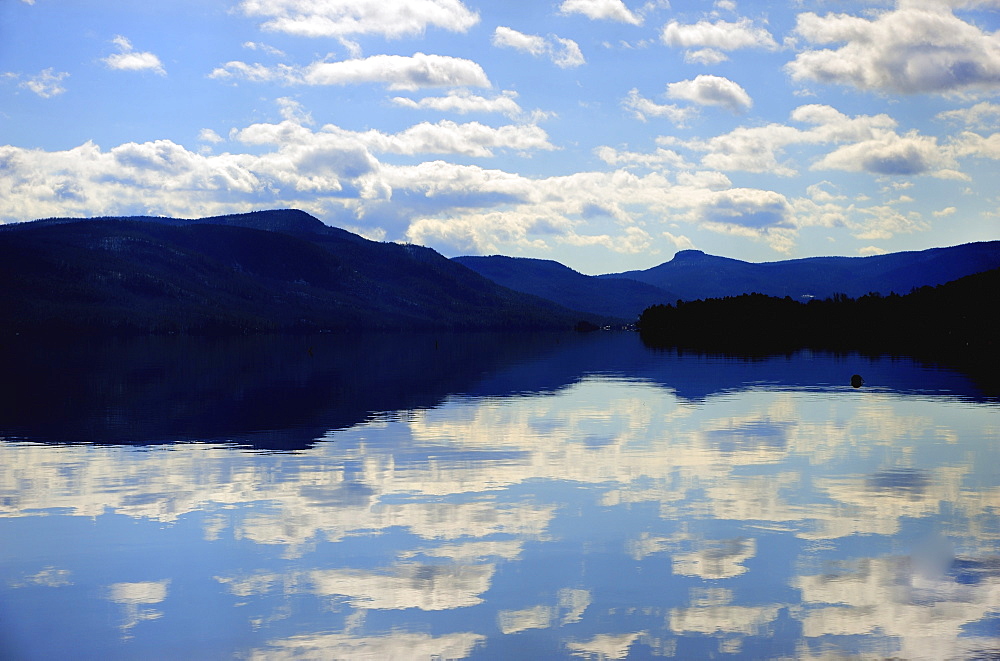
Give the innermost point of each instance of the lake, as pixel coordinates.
(478, 496)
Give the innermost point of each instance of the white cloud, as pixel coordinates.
(914, 49)
(613, 10)
(818, 193)
(643, 108)
(947, 211)
(47, 83)
(256, 73)
(883, 222)
(258, 46)
(565, 53)
(868, 143)
(338, 18)
(131, 60)
(208, 135)
(680, 242)
(890, 154)
(975, 145)
(983, 115)
(445, 137)
(709, 90)
(706, 56)
(463, 102)
(871, 250)
(471, 139)
(748, 207)
(661, 158)
(506, 37)
(720, 35)
(754, 149)
(397, 72)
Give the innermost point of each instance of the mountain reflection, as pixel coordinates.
(541, 509)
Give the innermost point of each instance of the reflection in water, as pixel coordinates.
(547, 501)
(133, 597)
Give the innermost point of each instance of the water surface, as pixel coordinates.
(487, 497)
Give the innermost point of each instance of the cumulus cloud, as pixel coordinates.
(983, 115)
(706, 56)
(748, 207)
(890, 154)
(445, 137)
(397, 72)
(712, 91)
(718, 36)
(660, 158)
(318, 170)
(463, 103)
(131, 60)
(564, 53)
(208, 135)
(613, 10)
(883, 222)
(643, 108)
(865, 143)
(340, 18)
(46, 84)
(914, 49)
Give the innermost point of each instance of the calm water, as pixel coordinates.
(482, 497)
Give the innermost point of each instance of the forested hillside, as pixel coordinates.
(955, 320)
(247, 273)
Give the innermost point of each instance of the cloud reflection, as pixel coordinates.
(446, 509)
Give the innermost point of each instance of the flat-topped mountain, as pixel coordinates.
(693, 275)
(622, 298)
(258, 272)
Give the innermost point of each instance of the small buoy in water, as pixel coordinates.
(857, 381)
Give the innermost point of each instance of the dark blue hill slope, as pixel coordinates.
(621, 298)
(258, 272)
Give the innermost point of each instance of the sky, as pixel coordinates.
(604, 134)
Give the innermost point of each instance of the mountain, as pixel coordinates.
(692, 274)
(622, 298)
(265, 271)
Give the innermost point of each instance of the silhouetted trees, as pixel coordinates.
(954, 319)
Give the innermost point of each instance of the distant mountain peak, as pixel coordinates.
(685, 255)
(280, 220)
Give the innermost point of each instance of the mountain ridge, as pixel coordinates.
(281, 270)
(696, 275)
(559, 283)
(693, 275)
(270, 271)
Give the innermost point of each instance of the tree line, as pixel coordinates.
(954, 320)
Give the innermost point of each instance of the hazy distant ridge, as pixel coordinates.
(693, 274)
(621, 298)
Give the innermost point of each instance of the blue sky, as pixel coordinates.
(605, 134)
